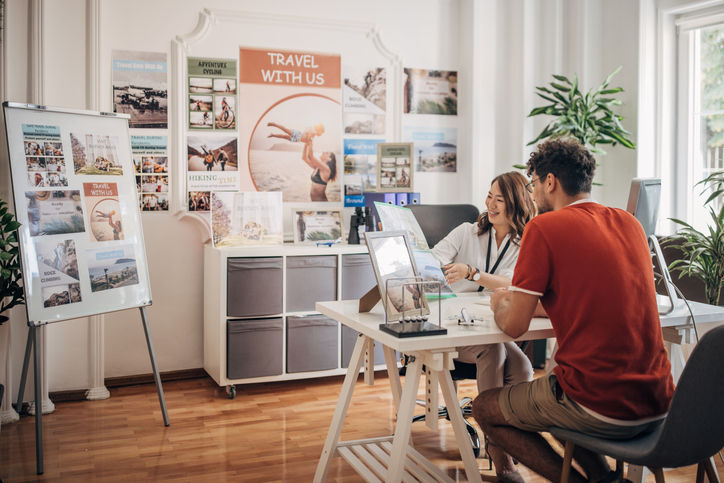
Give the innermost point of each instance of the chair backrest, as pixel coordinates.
(436, 221)
(694, 427)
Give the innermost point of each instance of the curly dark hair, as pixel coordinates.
(569, 161)
(519, 206)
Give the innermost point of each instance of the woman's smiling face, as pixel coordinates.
(496, 205)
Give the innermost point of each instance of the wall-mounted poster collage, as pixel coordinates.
(72, 201)
(140, 89)
(365, 120)
(211, 144)
(430, 118)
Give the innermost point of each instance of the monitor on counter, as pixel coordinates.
(643, 202)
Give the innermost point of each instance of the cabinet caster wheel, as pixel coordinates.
(231, 391)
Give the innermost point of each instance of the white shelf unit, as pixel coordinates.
(217, 316)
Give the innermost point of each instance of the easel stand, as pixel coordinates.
(33, 345)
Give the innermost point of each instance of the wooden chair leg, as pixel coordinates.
(658, 474)
(700, 472)
(567, 460)
(710, 470)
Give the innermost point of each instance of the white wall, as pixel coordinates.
(502, 49)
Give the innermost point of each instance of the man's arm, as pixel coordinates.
(514, 310)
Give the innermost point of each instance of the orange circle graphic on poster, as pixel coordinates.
(105, 220)
(290, 141)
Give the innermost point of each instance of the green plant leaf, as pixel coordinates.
(561, 88)
(562, 78)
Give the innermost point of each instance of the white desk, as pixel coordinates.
(392, 458)
(401, 460)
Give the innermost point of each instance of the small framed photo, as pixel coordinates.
(315, 226)
(394, 167)
(394, 266)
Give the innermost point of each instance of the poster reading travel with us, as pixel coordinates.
(291, 132)
(104, 211)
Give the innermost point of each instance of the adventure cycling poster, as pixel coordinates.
(212, 94)
(291, 133)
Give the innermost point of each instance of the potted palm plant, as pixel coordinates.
(703, 251)
(11, 290)
(588, 117)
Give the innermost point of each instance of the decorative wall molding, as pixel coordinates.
(182, 46)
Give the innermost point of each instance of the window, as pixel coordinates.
(701, 114)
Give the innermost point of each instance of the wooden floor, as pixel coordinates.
(270, 432)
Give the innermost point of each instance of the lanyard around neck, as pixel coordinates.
(500, 256)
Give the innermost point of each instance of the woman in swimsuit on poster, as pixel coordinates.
(325, 170)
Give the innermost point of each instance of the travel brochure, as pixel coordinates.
(150, 164)
(246, 218)
(394, 167)
(316, 226)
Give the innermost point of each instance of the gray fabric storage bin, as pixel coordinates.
(357, 276)
(253, 348)
(349, 339)
(309, 280)
(253, 286)
(311, 343)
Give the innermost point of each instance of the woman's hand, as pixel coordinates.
(455, 272)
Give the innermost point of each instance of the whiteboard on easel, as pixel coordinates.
(81, 239)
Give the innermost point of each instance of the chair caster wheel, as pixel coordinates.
(231, 391)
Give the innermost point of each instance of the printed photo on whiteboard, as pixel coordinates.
(314, 226)
(154, 202)
(140, 88)
(199, 200)
(54, 295)
(365, 100)
(111, 267)
(394, 167)
(104, 211)
(435, 147)
(57, 262)
(54, 212)
(44, 157)
(430, 92)
(246, 218)
(95, 154)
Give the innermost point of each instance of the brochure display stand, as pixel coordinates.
(80, 238)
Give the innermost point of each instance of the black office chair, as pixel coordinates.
(692, 432)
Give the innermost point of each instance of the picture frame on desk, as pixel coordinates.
(311, 226)
(392, 261)
(394, 167)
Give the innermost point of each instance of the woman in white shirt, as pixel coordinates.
(481, 256)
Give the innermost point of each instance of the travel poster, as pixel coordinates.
(435, 147)
(44, 157)
(104, 211)
(150, 164)
(360, 169)
(212, 94)
(365, 100)
(290, 136)
(212, 162)
(394, 166)
(430, 92)
(140, 87)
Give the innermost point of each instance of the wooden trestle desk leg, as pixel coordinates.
(345, 396)
(403, 425)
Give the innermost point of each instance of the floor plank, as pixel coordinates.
(270, 432)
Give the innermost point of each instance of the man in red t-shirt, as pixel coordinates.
(590, 268)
